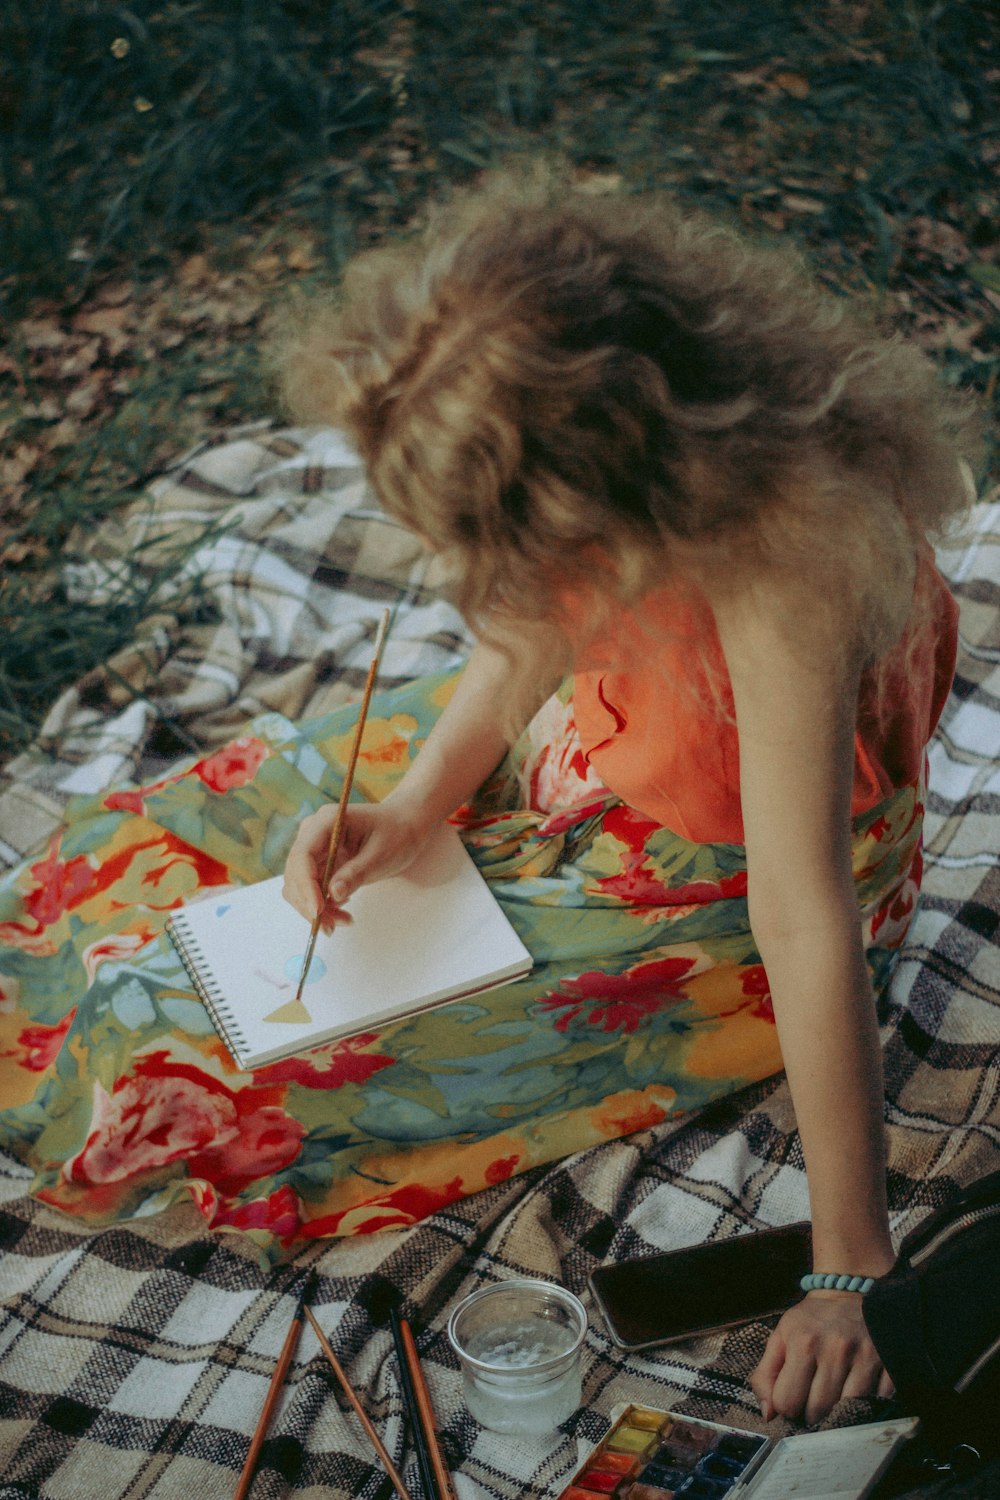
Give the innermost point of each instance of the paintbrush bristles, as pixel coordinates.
(345, 792)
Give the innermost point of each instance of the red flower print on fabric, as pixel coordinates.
(131, 799)
(891, 921)
(167, 1112)
(330, 1067)
(401, 1206)
(234, 765)
(637, 884)
(146, 1123)
(501, 1169)
(279, 1213)
(266, 1140)
(641, 1116)
(619, 1002)
(572, 817)
(115, 948)
(59, 886)
(754, 984)
(41, 1044)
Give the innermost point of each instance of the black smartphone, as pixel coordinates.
(658, 1299)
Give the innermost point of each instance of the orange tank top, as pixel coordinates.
(656, 739)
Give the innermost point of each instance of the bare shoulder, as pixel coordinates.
(792, 662)
(795, 691)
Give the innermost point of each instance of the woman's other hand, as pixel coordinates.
(378, 839)
(819, 1354)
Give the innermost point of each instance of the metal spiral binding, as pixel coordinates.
(223, 1018)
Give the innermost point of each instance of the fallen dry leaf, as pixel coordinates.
(114, 293)
(795, 84)
(266, 265)
(41, 333)
(65, 432)
(19, 464)
(302, 258)
(81, 359)
(20, 549)
(751, 77)
(103, 320)
(798, 203)
(941, 239)
(47, 409)
(598, 182)
(194, 270)
(81, 402)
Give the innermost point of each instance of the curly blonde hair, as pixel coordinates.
(589, 398)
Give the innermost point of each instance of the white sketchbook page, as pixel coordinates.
(432, 933)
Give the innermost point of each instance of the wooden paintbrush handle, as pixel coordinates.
(345, 792)
(428, 1421)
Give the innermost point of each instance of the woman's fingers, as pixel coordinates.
(866, 1375)
(763, 1378)
(357, 864)
(306, 862)
(819, 1354)
(302, 884)
(833, 1366)
(793, 1387)
(375, 842)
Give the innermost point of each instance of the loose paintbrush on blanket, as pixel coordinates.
(359, 1411)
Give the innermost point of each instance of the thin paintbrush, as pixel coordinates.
(273, 1392)
(338, 822)
(427, 1481)
(360, 1413)
(443, 1488)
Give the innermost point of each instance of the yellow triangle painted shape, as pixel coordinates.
(293, 1013)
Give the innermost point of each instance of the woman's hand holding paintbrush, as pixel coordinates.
(375, 837)
(380, 839)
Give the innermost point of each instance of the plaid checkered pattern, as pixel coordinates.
(134, 1361)
(293, 561)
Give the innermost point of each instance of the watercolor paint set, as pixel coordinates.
(657, 1455)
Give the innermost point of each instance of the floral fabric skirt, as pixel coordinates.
(647, 999)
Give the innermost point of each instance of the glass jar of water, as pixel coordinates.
(520, 1344)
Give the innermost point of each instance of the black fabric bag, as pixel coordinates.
(935, 1321)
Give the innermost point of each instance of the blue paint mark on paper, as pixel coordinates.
(293, 969)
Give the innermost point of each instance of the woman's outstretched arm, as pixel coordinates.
(796, 715)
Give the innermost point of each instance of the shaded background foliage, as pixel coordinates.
(169, 172)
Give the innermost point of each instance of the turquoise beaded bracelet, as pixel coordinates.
(830, 1282)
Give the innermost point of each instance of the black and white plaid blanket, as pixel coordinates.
(134, 1360)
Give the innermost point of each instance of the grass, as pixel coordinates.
(170, 170)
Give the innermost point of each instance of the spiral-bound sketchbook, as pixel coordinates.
(433, 934)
